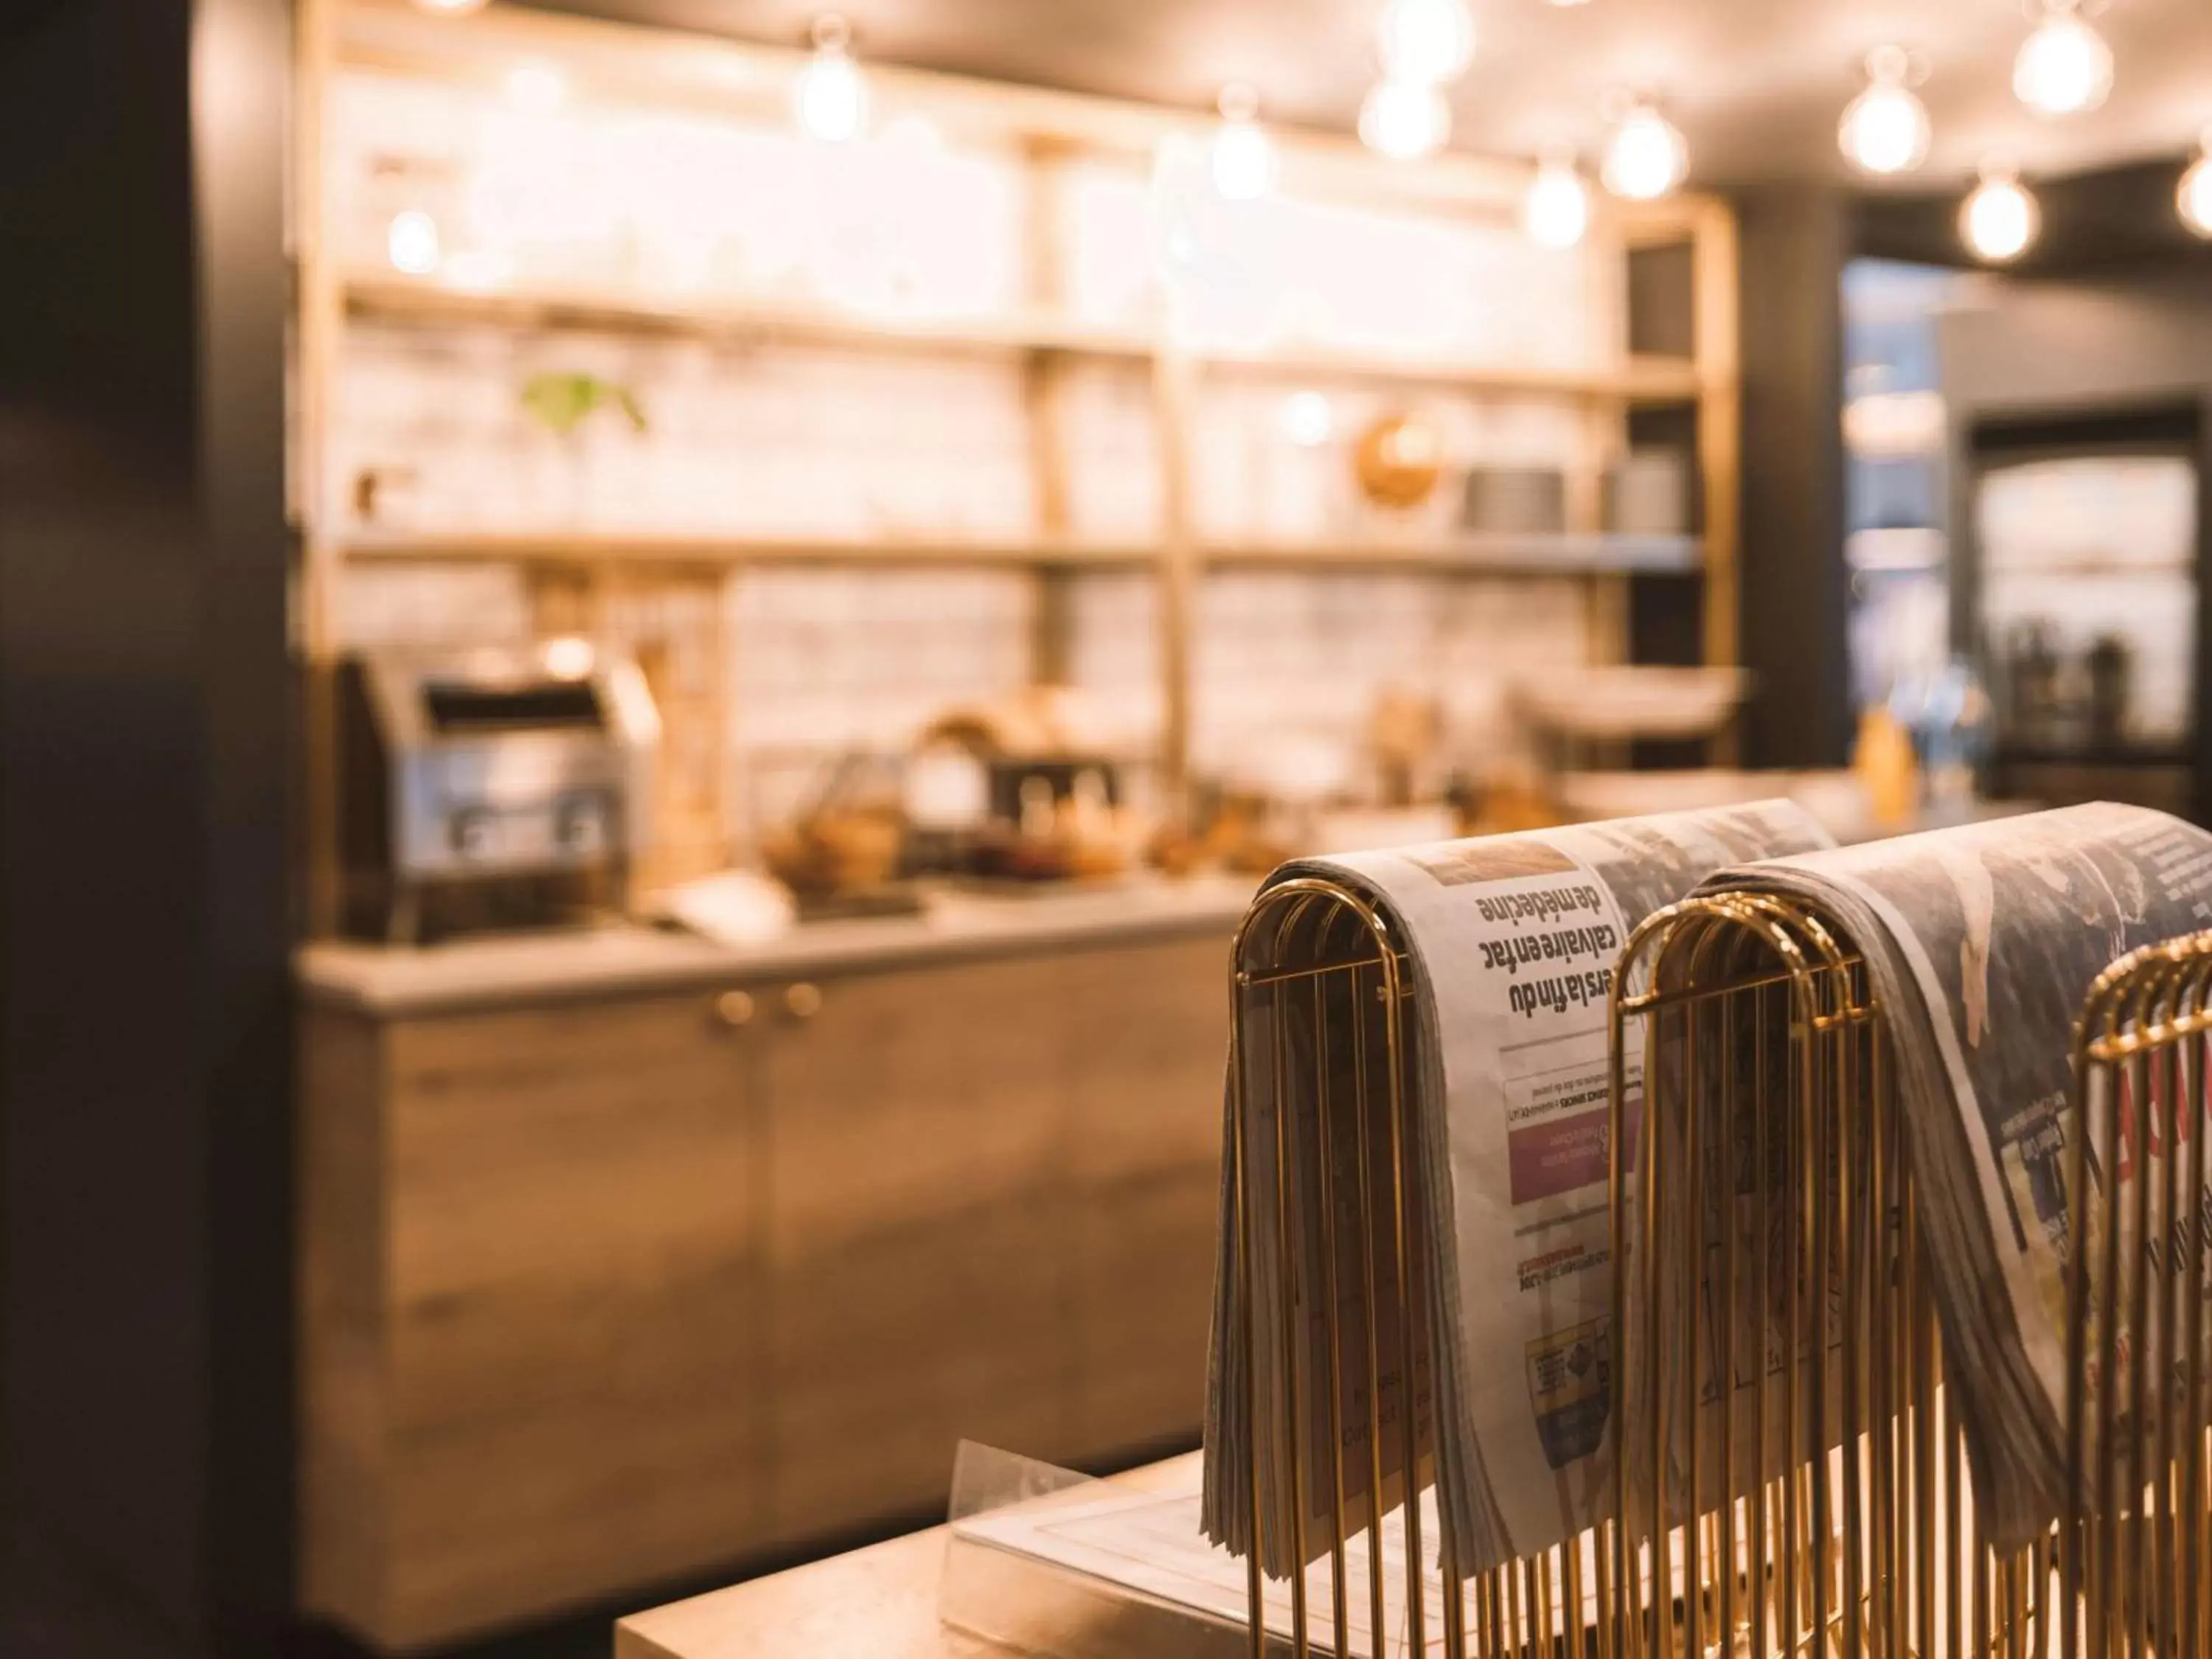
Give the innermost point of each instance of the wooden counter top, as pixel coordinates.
(503, 972)
(875, 1603)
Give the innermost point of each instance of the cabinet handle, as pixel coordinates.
(734, 1008)
(802, 1000)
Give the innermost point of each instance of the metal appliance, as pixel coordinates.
(491, 787)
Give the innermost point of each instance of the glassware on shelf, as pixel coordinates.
(2110, 662)
(1953, 721)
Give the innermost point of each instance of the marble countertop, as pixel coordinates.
(496, 971)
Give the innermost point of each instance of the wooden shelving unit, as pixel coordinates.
(1045, 132)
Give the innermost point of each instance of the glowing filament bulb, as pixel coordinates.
(2000, 219)
(1425, 42)
(2064, 67)
(1243, 158)
(1647, 158)
(2193, 196)
(1556, 211)
(1404, 120)
(830, 97)
(1885, 129)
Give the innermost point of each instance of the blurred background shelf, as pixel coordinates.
(1537, 553)
(1638, 380)
(428, 302)
(707, 552)
(389, 298)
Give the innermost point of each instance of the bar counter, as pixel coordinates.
(491, 972)
(629, 1257)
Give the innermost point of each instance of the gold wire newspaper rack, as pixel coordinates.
(1772, 1532)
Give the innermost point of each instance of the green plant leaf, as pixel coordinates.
(561, 401)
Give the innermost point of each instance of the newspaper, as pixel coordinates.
(1981, 943)
(1501, 1135)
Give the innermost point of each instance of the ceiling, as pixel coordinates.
(1757, 85)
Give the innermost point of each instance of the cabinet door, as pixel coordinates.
(575, 1303)
(1146, 1112)
(918, 1239)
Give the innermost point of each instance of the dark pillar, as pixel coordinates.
(144, 750)
(1795, 239)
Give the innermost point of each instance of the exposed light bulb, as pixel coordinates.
(1556, 211)
(1307, 419)
(537, 87)
(1647, 157)
(2064, 67)
(1404, 120)
(570, 656)
(449, 7)
(830, 97)
(2194, 195)
(2000, 219)
(1242, 161)
(1425, 42)
(412, 243)
(1885, 129)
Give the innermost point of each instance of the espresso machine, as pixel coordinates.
(491, 789)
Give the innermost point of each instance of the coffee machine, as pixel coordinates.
(491, 787)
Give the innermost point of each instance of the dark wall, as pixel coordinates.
(2113, 219)
(1794, 241)
(144, 747)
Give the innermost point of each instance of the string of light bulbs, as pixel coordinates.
(2063, 67)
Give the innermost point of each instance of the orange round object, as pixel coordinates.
(1399, 460)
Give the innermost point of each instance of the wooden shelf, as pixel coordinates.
(557, 547)
(1551, 554)
(422, 301)
(1538, 554)
(1642, 380)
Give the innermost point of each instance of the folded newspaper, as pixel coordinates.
(1510, 944)
(1981, 943)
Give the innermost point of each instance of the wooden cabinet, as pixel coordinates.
(532, 1301)
(1145, 1171)
(917, 1237)
(597, 1294)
